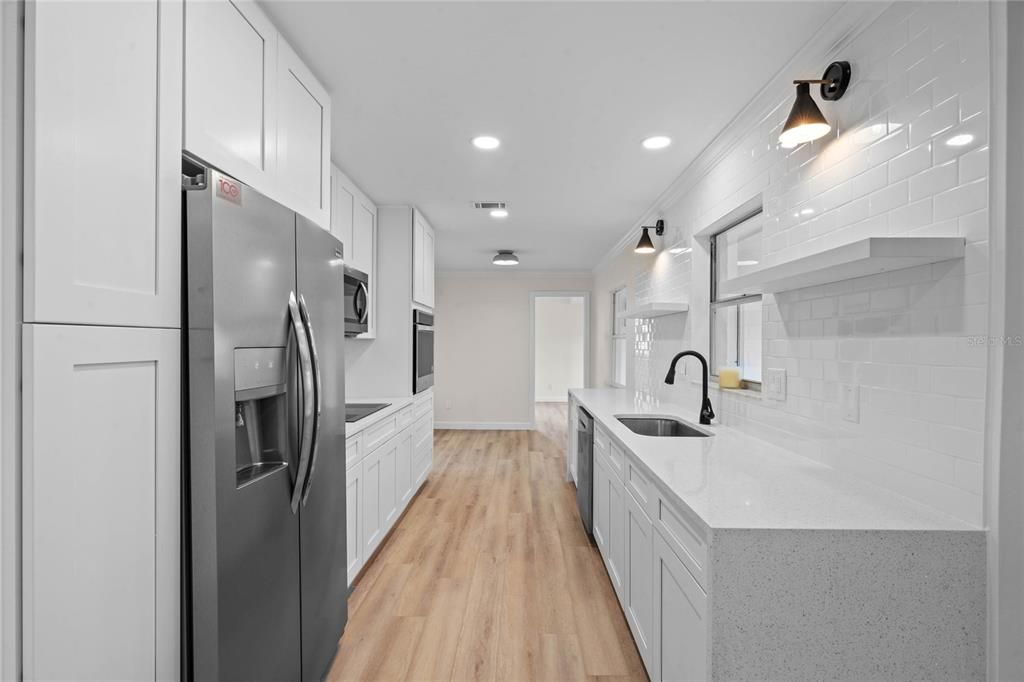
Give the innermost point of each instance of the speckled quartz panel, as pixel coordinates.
(733, 480)
(851, 605)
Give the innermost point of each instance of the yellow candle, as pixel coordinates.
(729, 377)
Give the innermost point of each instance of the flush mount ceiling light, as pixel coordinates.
(486, 142)
(656, 142)
(806, 122)
(505, 258)
(645, 245)
(499, 213)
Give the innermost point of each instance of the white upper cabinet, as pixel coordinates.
(422, 261)
(230, 77)
(102, 163)
(253, 109)
(354, 222)
(303, 138)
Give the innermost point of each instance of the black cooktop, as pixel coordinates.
(356, 411)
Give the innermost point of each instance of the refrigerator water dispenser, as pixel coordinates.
(261, 413)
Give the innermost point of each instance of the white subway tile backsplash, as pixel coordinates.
(921, 80)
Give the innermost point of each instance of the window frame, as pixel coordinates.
(736, 302)
(615, 335)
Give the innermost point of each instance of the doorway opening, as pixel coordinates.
(560, 347)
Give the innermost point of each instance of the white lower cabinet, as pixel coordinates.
(354, 520)
(615, 559)
(599, 504)
(388, 484)
(100, 485)
(638, 592)
(381, 483)
(680, 635)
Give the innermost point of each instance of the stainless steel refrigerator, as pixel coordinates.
(266, 575)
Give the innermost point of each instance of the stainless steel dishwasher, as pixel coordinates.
(585, 469)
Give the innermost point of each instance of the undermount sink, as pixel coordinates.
(664, 427)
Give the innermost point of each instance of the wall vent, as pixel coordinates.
(489, 204)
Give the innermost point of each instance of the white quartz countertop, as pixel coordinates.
(352, 428)
(732, 480)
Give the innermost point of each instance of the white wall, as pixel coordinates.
(559, 346)
(482, 345)
(920, 75)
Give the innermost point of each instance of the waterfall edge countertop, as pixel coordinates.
(733, 480)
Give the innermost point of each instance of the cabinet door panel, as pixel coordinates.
(303, 138)
(680, 619)
(616, 531)
(428, 267)
(102, 163)
(404, 467)
(342, 205)
(638, 577)
(101, 502)
(388, 484)
(372, 529)
(354, 520)
(418, 295)
(362, 238)
(230, 75)
(599, 517)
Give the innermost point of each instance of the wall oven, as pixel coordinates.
(357, 302)
(422, 350)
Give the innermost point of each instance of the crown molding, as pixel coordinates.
(838, 31)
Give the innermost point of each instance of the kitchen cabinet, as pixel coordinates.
(388, 484)
(423, 448)
(422, 261)
(230, 82)
(102, 204)
(354, 222)
(100, 486)
(253, 109)
(403, 468)
(638, 577)
(680, 628)
(599, 518)
(373, 527)
(615, 540)
(303, 138)
(354, 520)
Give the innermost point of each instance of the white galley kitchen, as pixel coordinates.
(511, 340)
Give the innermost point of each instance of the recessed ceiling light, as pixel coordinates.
(499, 213)
(657, 142)
(486, 142)
(806, 211)
(960, 140)
(505, 258)
(746, 262)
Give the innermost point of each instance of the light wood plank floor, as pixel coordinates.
(474, 581)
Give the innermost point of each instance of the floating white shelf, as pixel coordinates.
(656, 310)
(865, 257)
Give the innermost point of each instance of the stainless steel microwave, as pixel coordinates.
(357, 302)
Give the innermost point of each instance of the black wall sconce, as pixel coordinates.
(806, 122)
(645, 245)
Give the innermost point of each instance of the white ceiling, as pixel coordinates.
(571, 89)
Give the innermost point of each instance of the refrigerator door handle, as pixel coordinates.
(318, 390)
(308, 399)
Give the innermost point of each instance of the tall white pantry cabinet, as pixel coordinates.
(114, 92)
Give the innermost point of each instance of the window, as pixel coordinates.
(736, 315)
(619, 337)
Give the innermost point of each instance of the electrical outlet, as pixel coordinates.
(775, 384)
(849, 401)
(448, 404)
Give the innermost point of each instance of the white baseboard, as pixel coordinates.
(483, 426)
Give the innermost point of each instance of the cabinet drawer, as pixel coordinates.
(404, 417)
(616, 460)
(638, 483)
(423, 407)
(685, 534)
(376, 434)
(602, 441)
(423, 430)
(353, 449)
